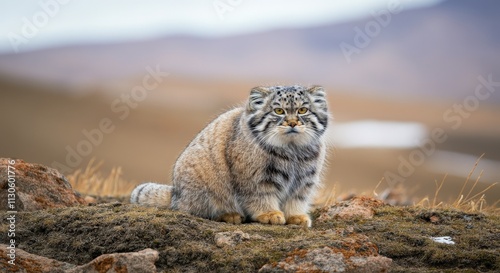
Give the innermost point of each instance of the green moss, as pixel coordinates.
(404, 235)
(186, 243)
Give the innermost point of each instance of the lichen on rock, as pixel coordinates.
(355, 254)
(232, 238)
(361, 206)
(36, 187)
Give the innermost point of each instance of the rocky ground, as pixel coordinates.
(358, 235)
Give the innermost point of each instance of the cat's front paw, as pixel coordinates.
(302, 220)
(274, 217)
(231, 218)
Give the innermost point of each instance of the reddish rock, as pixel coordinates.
(26, 262)
(132, 262)
(356, 254)
(356, 207)
(36, 187)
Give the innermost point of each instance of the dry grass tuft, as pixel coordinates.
(326, 197)
(91, 181)
(471, 202)
(398, 195)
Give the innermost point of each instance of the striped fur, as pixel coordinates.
(254, 163)
(150, 193)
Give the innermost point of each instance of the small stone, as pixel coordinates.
(370, 264)
(138, 262)
(434, 219)
(90, 200)
(231, 238)
(356, 207)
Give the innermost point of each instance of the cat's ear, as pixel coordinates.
(257, 97)
(317, 96)
(316, 89)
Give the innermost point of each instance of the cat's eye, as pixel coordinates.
(279, 111)
(302, 110)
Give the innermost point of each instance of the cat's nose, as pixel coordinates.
(292, 123)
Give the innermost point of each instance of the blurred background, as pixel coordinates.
(414, 86)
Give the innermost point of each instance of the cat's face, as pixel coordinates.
(280, 115)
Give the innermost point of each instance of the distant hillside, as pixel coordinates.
(436, 51)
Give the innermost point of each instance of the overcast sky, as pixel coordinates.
(29, 25)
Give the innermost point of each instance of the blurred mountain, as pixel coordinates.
(437, 51)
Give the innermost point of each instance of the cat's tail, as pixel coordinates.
(152, 194)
